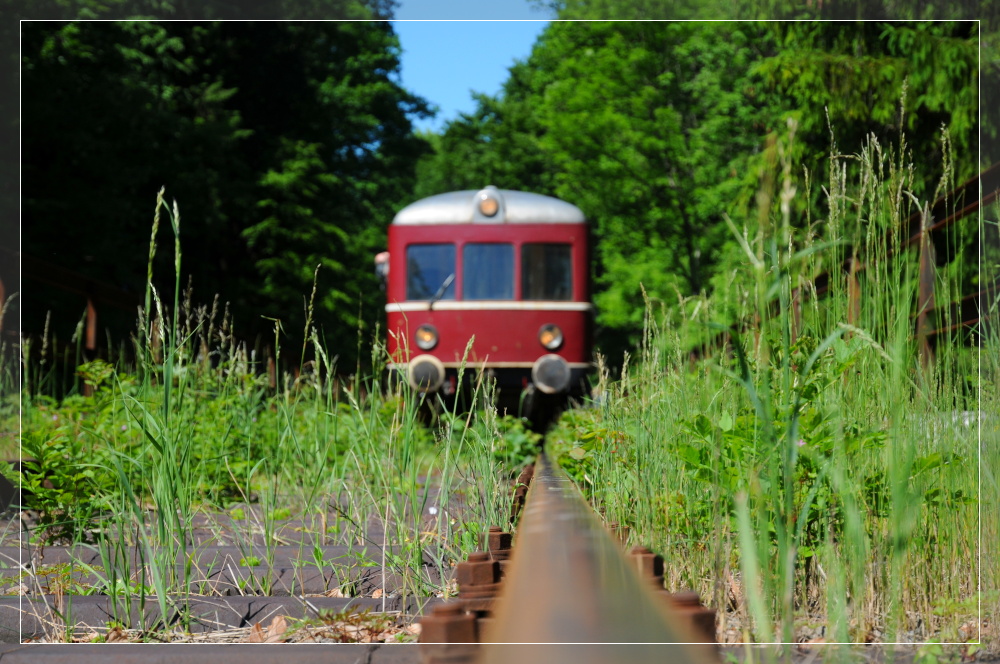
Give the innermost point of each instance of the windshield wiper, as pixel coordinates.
(440, 292)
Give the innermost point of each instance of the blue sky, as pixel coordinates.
(454, 47)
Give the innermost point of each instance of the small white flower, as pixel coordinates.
(432, 509)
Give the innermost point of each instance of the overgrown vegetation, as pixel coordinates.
(285, 141)
(660, 130)
(657, 130)
(195, 429)
(813, 469)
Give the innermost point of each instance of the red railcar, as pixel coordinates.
(504, 270)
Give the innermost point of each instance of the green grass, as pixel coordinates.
(827, 475)
(195, 428)
(342, 458)
(813, 471)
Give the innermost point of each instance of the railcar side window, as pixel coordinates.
(488, 272)
(429, 267)
(546, 272)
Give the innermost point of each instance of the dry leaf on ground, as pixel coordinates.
(116, 634)
(256, 634)
(276, 630)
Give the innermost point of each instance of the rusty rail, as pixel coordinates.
(569, 582)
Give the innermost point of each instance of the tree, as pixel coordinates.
(868, 78)
(657, 130)
(906, 48)
(648, 127)
(286, 145)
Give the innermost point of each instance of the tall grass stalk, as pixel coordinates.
(813, 471)
(196, 427)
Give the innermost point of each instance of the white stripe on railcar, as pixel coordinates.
(472, 365)
(488, 305)
(517, 207)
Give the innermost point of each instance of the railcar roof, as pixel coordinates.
(516, 207)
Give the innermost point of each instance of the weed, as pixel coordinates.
(815, 460)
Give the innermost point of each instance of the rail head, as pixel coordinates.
(569, 582)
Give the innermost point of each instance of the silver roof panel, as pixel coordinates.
(516, 207)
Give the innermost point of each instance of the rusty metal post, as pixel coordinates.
(699, 618)
(619, 532)
(478, 585)
(272, 370)
(498, 543)
(478, 576)
(91, 337)
(90, 340)
(648, 564)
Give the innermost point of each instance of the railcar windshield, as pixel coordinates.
(429, 267)
(546, 272)
(488, 271)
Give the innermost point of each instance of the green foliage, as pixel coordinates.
(643, 125)
(57, 578)
(102, 467)
(816, 464)
(881, 79)
(517, 446)
(731, 453)
(659, 131)
(290, 144)
(196, 426)
(575, 443)
(65, 476)
(210, 10)
(786, 10)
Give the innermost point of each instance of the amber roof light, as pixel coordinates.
(488, 203)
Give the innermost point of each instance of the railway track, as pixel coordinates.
(570, 582)
(566, 580)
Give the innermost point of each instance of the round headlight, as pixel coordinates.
(550, 336)
(488, 204)
(426, 337)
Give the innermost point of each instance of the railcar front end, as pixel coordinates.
(497, 277)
